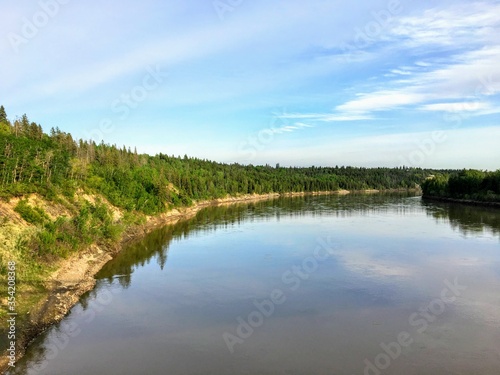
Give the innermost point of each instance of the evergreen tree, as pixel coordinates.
(3, 115)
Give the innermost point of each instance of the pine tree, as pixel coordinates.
(3, 114)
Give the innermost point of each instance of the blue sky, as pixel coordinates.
(379, 83)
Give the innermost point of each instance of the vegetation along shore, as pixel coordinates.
(466, 186)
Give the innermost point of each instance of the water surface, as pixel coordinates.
(308, 285)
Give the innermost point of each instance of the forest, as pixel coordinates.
(468, 184)
(33, 161)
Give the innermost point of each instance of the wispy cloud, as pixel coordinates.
(326, 117)
(291, 128)
(469, 75)
(467, 72)
(459, 25)
(401, 72)
(381, 101)
(433, 83)
(223, 77)
(457, 107)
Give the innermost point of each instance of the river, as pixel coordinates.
(357, 284)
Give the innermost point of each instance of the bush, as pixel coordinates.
(436, 186)
(33, 215)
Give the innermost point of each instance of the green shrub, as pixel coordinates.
(33, 215)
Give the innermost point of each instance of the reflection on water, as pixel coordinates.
(469, 220)
(164, 303)
(157, 243)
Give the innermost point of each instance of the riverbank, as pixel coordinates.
(74, 276)
(462, 201)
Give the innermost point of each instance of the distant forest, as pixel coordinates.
(55, 163)
(466, 185)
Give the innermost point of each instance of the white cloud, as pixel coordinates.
(290, 128)
(457, 25)
(325, 117)
(468, 78)
(464, 76)
(302, 125)
(457, 107)
(381, 100)
(400, 72)
(345, 117)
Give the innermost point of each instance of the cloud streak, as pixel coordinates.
(226, 78)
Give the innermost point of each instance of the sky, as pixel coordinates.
(300, 83)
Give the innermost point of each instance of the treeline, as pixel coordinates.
(55, 163)
(466, 184)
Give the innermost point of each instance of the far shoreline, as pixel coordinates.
(468, 202)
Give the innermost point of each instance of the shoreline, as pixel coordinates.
(75, 275)
(468, 202)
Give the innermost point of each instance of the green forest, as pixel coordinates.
(465, 185)
(56, 163)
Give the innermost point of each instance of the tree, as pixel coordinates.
(466, 182)
(435, 186)
(3, 115)
(5, 127)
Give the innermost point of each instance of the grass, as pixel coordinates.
(38, 242)
(30, 272)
